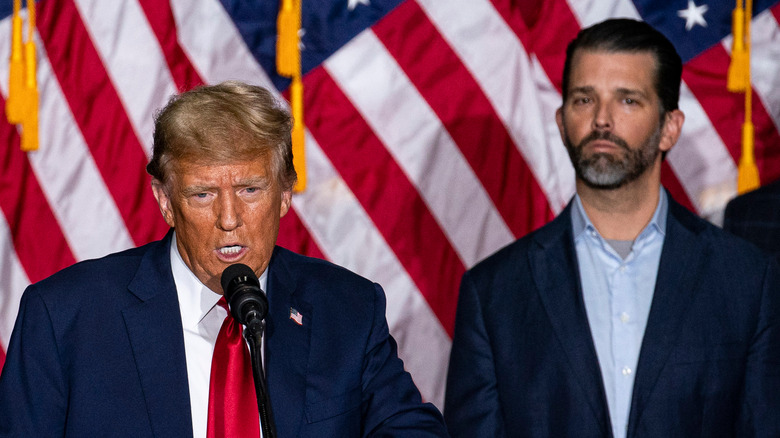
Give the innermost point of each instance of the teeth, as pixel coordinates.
(227, 250)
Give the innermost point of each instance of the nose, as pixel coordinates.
(228, 212)
(602, 118)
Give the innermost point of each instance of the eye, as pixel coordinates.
(581, 100)
(251, 193)
(200, 198)
(630, 101)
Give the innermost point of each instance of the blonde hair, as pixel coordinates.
(226, 122)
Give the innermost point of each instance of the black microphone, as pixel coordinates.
(249, 305)
(246, 300)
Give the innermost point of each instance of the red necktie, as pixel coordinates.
(232, 398)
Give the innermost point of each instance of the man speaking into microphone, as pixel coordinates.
(141, 343)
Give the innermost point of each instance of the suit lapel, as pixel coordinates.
(682, 259)
(555, 272)
(155, 332)
(287, 342)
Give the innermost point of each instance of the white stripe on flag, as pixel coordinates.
(764, 54)
(14, 280)
(212, 42)
(73, 187)
(422, 342)
(416, 139)
(504, 73)
(133, 60)
(701, 161)
(590, 12)
(550, 101)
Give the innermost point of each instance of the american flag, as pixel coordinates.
(430, 137)
(296, 316)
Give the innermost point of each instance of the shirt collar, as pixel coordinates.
(195, 299)
(581, 223)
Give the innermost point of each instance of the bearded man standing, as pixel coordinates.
(627, 315)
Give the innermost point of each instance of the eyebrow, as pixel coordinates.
(621, 91)
(191, 190)
(583, 89)
(261, 181)
(248, 182)
(631, 92)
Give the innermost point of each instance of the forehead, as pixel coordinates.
(185, 172)
(610, 70)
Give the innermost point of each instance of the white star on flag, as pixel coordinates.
(301, 34)
(693, 15)
(352, 4)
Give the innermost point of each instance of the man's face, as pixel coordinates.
(610, 121)
(223, 214)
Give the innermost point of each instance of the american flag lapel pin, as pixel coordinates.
(296, 316)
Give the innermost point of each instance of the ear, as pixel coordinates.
(163, 201)
(286, 202)
(673, 122)
(559, 120)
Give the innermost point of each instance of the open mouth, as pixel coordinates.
(230, 250)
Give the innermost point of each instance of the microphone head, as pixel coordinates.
(243, 294)
(237, 274)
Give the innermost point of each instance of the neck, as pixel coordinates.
(622, 213)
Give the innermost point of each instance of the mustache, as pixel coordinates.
(603, 135)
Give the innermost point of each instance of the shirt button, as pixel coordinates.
(623, 269)
(626, 371)
(624, 317)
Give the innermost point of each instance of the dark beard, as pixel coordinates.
(608, 171)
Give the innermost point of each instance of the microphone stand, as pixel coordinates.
(254, 337)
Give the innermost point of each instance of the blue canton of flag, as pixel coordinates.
(693, 25)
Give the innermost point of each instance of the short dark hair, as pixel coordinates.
(627, 35)
(223, 122)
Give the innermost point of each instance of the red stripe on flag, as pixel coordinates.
(545, 30)
(384, 191)
(670, 182)
(294, 236)
(466, 113)
(519, 15)
(767, 142)
(100, 115)
(38, 240)
(706, 77)
(160, 17)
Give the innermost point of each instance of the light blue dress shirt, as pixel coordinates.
(617, 294)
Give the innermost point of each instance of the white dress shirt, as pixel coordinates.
(201, 319)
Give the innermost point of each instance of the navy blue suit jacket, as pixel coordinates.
(98, 350)
(524, 364)
(755, 216)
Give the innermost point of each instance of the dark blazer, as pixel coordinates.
(98, 350)
(524, 364)
(755, 216)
